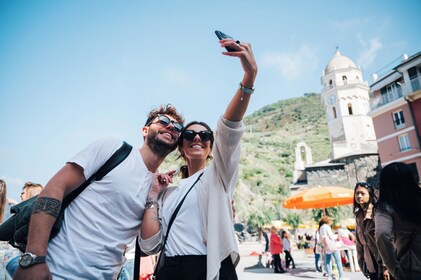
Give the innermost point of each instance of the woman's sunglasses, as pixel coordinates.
(205, 135)
(363, 184)
(165, 121)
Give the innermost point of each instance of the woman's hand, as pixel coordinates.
(386, 274)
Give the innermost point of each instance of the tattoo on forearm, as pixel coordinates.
(47, 205)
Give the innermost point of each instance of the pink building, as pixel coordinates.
(395, 100)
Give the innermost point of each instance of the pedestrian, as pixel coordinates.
(276, 249)
(329, 246)
(106, 216)
(368, 255)
(287, 250)
(398, 222)
(201, 243)
(3, 199)
(30, 190)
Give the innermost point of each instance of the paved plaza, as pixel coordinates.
(305, 269)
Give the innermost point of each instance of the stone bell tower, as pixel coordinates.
(346, 98)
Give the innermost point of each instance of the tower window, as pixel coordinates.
(334, 112)
(330, 83)
(399, 119)
(350, 108)
(344, 78)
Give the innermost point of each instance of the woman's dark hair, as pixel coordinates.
(184, 169)
(371, 193)
(399, 190)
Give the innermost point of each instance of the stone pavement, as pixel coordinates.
(246, 269)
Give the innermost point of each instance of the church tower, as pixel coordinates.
(346, 99)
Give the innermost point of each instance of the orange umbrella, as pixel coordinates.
(320, 197)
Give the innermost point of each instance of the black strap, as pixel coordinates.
(170, 224)
(109, 165)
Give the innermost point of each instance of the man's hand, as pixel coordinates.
(35, 272)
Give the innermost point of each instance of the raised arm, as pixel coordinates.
(45, 212)
(238, 105)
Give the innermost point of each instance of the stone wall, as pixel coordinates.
(352, 169)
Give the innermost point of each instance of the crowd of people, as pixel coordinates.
(387, 228)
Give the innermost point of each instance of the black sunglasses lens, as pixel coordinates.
(205, 135)
(165, 121)
(177, 127)
(189, 135)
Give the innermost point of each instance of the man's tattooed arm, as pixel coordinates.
(47, 205)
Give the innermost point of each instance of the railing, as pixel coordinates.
(395, 94)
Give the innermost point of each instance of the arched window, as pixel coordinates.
(330, 83)
(344, 78)
(357, 78)
(334, 112)
(350, 108)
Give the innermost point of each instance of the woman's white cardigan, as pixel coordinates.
(214, 193)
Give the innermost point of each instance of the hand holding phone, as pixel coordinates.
(222, 35)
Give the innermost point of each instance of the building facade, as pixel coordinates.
(395, 101)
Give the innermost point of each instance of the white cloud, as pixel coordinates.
(350, 24)
(370, 49)
(176, 76)
(292, 65)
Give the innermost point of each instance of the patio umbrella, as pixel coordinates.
(320, 197)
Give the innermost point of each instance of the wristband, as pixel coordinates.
(246, 90)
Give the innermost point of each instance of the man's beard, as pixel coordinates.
(159, 147)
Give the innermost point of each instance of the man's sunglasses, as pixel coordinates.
(165, 121)
(205, 135)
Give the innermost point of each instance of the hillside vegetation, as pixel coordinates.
(268, 154)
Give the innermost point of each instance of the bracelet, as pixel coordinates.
(246, 90)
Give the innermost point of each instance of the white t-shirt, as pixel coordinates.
(326, 231)
(103, 218)
(186, 234)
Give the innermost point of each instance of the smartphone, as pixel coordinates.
(222, 35)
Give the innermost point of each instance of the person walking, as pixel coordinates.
(201, 243)
(398, 223)
(276, 250)
(106, 216)
(287, 250)
(328, 240)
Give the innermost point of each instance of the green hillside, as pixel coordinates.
(268, 153)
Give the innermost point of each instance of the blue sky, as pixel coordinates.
(75, 71)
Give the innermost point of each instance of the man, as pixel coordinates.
(30, 190)
(107, 214)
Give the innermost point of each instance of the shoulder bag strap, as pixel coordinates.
(170, 224)
(118, 156)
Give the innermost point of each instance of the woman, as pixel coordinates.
(397, 219)
(201, 243)
(328, 239)
(367, 252)
(3, 199)
(276, 249)
(287, 250)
